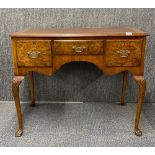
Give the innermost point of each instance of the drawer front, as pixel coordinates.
(123, 52)
(34, 53)
(78, 47)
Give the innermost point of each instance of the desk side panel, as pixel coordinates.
(14, 55)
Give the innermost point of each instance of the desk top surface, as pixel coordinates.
(80, 32)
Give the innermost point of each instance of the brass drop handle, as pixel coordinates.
(78, 49)
(33, 54)
(123, 53)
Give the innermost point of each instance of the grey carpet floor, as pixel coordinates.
(77, 124)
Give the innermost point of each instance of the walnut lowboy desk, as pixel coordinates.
(112, 50)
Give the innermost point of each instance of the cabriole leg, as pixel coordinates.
(142, 86)
(15, 90)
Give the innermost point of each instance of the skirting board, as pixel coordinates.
(40, 102)
(63, 102)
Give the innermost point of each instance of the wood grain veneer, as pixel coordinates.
(112, 50)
